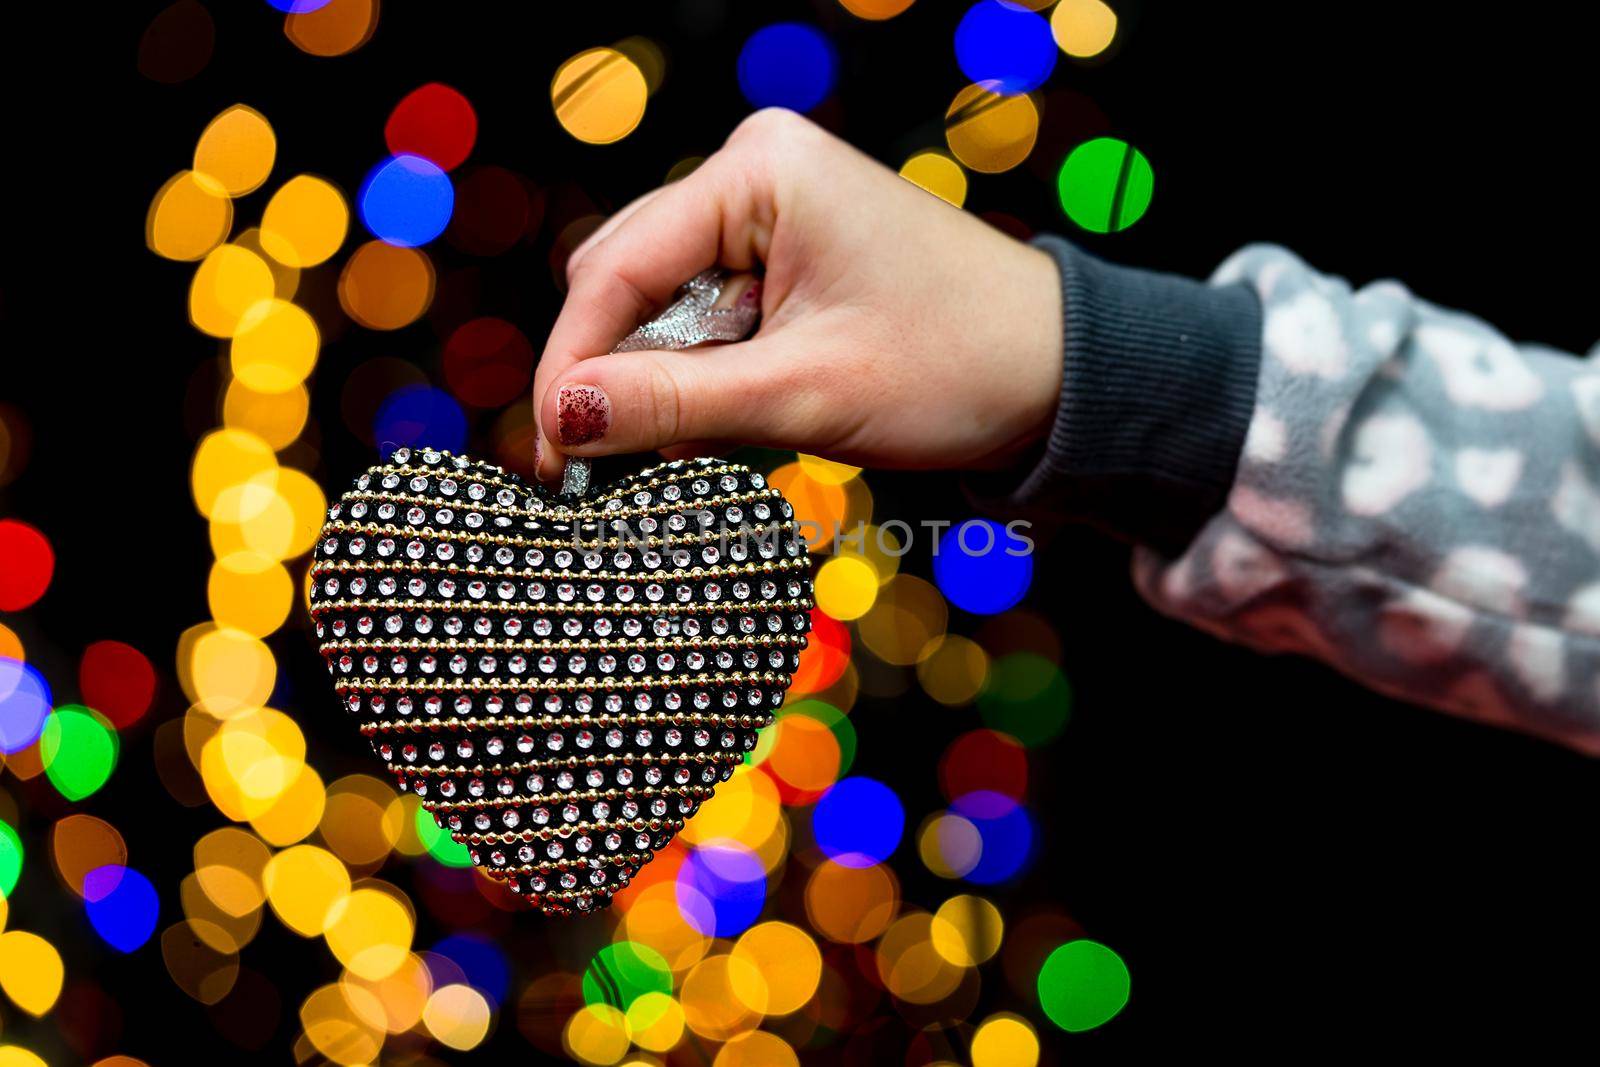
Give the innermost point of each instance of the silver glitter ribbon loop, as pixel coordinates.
(691, 319)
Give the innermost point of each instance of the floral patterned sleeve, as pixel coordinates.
(1416, 503)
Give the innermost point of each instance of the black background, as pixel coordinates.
(1285, 861)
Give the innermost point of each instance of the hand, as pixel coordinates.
(897, 331)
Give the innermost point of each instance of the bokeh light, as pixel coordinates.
(983, 567)
(406, 200)
(1005, 44)
(1027, 697)
(306, 221)
(875, 9)
(10, 858)
(274, 347)
(122, 906)
(237, 150)
(30, 563)
(189, 216)
(858, 822)
(78, 748)
(334, 29)
(420, 415)
(787, 64)
(1005, 1040)
(30, 971)
(1105, 185)
(990, 131)
(1083, 28)
(116, 680)
(599, 95)
(721, 889)
(1083, 985)
(1005, 830)
(385, 287)
(435, 122)
(488, 362)
(938, 174)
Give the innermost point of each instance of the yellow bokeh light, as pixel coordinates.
(304, 883)
(274, 346)
(846, 586)
(275, 418)
(949, 845)
(305, 222)
(295, 813)
(17, 1056)
(403, 994)
(875, 9)
(228, 283)
(196, 965)
(655, 1021)
(745, 809)
(1005, 1040)
(225, 671)
(597, 1034)
(654, 919)
(354, 824)
(953, 669)
(908, 614)
(599, 95)
(966, 930)
(717, 995)
(787, 959)
(223, 932)
(30, 971)
(851, 904)
(334, 29)
(385, 287)
(237, 150)
(909, 965)
(250, 592)
(938, 174)
(249, 763)
(369, 931)
(820, 508)
(1083, 28)
(336, 1017)
(227, 458)
(758, 1048)
(457, 1016)
(826, 471)
(188, 217)
(286, 279)
(990, 131)
(228, 865)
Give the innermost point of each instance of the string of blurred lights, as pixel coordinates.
(776, 922)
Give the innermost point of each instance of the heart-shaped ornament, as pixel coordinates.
(563, 680)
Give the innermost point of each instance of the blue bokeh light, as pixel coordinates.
(1006, 831)
(1005, 44)
(406, 200)
(298, 7)
(982, 567)
(416, 415)
(787, 64)
(858, 822)
(122, 906)
(721, 889)
(24, 704)
(481, 961)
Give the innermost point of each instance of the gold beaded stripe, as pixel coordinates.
(564, 644)
(547, 833)
(557, 800)
(458, 571)
(499, 479)
(534, 517)
(601, 720)
(631, 861)
(328, 607)
(627, 760)
(641, 541)
(570, 685)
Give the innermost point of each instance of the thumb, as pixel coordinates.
(645, 401)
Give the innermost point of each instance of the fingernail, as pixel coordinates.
(538, 451)
(752, 296)
(583, 414)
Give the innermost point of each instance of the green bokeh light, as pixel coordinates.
(1027, 697)
(10, 858)
(1105, 185)
(440, 845)
(1083, 985)
(78, 749)
(623, 972)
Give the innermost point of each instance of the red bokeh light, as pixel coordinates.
(984, 760)
(434, 122)
(117, 681)
(26, 565)
(495, 208)
(826, 656)
(487, 362)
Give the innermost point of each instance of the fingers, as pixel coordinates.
(649, 401)
(607, 228)
(711, 217)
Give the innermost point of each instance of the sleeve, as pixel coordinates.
(1416, 503)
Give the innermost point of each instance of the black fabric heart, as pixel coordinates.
(562, 681)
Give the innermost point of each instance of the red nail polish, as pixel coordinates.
(583, 414)
(751, 296)
(538, 451)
